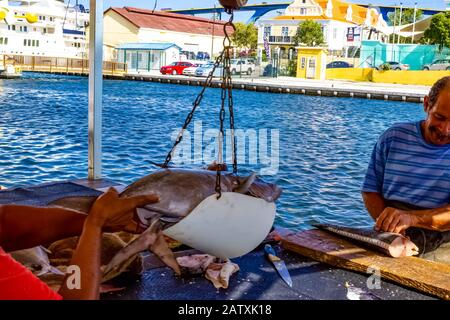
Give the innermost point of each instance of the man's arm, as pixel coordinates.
(108, 212)
(374, 203)
(396, 220)
(87, 257)
(23, 227)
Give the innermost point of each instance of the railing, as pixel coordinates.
(61, 65)
(280, 39)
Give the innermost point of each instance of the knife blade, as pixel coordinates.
(279, 264)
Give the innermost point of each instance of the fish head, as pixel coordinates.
(403, 247)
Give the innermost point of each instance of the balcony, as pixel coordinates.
(280, 39)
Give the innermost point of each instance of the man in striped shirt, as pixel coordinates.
(408, 179)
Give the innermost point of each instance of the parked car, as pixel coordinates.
(339, 64)
(442, 64)
(201, 55)
(190, 71)
(393, 65)
(206, 69)
(175, 67)
(246, 66)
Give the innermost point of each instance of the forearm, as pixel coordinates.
(87, 258)
(434, 219)
(374, 202)
(24, 227)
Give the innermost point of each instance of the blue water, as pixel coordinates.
(325, 143)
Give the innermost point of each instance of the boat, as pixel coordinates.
(10, 72)
(48, 28)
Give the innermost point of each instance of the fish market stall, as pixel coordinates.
(229, 261)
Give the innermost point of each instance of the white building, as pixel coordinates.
(134, 25)
(147, 57)
(344, 26)
(42, 28)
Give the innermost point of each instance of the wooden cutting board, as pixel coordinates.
(423, 275)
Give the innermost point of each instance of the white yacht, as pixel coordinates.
(49, 28)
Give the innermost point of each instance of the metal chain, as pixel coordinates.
(226, 88)
(226, 92)
(191, 114)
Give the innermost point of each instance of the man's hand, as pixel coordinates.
(112, 213)
(395, 220)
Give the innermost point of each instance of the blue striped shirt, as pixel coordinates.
(404, 167)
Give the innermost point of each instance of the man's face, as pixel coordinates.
(436, 129)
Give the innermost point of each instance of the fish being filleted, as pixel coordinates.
(391, 244)
(179, 191)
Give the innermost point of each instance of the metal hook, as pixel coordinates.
(225, 30)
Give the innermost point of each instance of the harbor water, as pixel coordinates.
(324, 143)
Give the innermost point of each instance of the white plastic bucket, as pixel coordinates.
(228, 227)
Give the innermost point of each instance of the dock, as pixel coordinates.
(61, 65)
(282, 85)
(289, 85)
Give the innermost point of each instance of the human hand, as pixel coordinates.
(112, 213)
(395, 220)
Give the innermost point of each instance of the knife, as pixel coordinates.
(279, 264)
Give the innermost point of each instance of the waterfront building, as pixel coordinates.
(145, 57)
(125, 27)
(344, 26)
(48, 28)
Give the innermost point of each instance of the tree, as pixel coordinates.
(309, 33)
(245, 36)
(407, 16)
(439, 31)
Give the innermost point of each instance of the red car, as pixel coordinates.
(175, 68)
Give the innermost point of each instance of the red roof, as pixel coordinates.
(162, 20)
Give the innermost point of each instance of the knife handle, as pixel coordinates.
(271, 253)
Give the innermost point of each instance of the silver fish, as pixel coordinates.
(179, 191)
(391, 244)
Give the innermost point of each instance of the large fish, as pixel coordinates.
(179, 191)
(391, 244)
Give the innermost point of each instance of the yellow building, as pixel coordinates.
(311, 63)
(344, 26)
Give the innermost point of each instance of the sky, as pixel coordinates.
(186, 4)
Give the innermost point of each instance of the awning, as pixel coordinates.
(147, 46)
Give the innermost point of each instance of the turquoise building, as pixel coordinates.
(375, 53)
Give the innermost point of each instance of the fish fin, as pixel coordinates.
(49, 269)
(141, 243)
(42, 272)
(245, 183)
(55, 270)
(162, 250)
(267, 191)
